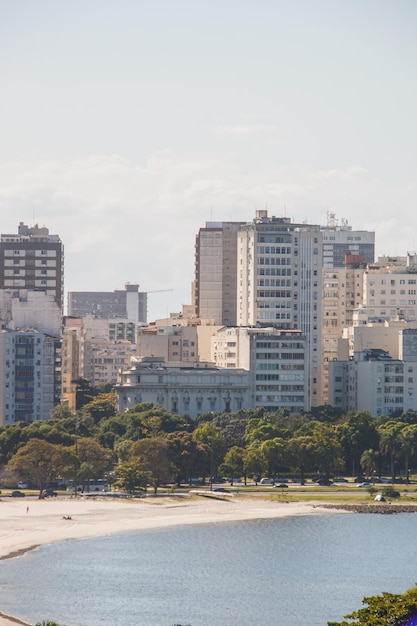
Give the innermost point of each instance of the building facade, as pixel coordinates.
(215, 285)
(279, 284)
(184, 389)
(32, 259)
(129, 303)
(374, 381)
(29, 387)
(275, 359)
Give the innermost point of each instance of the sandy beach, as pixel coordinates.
(26, 523)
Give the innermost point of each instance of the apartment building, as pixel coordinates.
(276, 360)
(390, 288)
(340, 241)
(32, 259)
(342, 295)
(29, 375)
(280, 284)
(374, 381)
(215, 283)
(129, 303)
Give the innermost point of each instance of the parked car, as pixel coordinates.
(217, 480)
(49, 493)
(221, 490)
(17, 494)
(22, 485)
(365, 485)
(266, 481)
(281, 486)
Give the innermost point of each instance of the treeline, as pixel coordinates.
(148, 445)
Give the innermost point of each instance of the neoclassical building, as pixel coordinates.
(190, 388)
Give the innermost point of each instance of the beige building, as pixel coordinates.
(94, 349)
(276, 360)
(390, 288)
(372, 380)
(342, 294)
(191, 389)
(215, 283)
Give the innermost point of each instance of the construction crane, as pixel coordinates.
(158, 290)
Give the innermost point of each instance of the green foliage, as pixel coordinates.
(387, 609)
(390, 492)
(130, 478)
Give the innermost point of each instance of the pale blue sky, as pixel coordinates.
(126, 125)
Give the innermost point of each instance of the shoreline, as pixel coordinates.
(27, 525)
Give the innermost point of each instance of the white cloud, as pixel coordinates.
(246, 129)
(124, 221)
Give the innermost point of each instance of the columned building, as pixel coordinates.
(184, 389)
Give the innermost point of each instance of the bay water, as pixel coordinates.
(286, 572)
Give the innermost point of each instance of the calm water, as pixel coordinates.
(288, 572)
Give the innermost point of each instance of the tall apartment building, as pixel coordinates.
(32, 259)
(279, 283)
(342, 295)
(129, 303)
(390, 288)
(340, 241)
(28, 376)
(216, 272)
(275, 359)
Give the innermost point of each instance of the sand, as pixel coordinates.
(26, 523)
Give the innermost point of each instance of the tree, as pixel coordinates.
(328, 451)
(302, 454)
(357, 434)
(233, 462)
(390, 442)
(94, 460)
(275, 453)
(408, 444)
(369, 462)
(389, 609)
(130, 478)
(152, 456)
(41, 462)
(190, 457)
(253, 463)
(212, 435)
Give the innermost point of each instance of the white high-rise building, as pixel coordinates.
(27, 376)
(279, 283)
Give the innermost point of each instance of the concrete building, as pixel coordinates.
(22, 308)
(94, 349)
(216, 272)
(374, 381)
(72, 360)
(275, 359)
(279, 283)
(340, 241)
(390, 288)
(342, 294)
(129, 303)
(32, 259)
(29, 362)
(184, 389)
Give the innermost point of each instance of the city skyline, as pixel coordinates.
(127, 128)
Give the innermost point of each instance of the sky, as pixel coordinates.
(126, 125)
